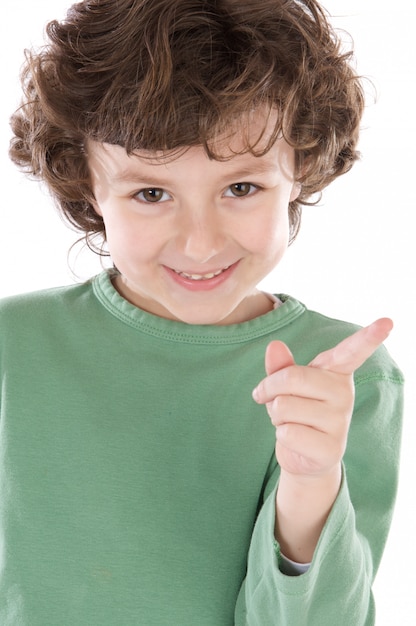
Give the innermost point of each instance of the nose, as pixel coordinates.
(200, 234)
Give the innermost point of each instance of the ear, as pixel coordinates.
(296, 189)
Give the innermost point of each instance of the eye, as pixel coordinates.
(153, 195)
(240, 190)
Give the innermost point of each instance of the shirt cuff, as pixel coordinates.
(291, 568)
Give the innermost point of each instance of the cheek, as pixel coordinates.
(269, 237)
(117, 234)
(275, 246)
(133, 239)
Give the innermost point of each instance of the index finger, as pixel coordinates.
(353, 351)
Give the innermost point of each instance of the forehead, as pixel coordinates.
(249, 144)
(253, 130)
(112, 163)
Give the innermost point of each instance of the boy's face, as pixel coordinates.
(192, 237)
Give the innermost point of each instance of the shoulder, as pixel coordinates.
(40, 307)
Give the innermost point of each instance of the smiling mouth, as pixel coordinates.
(198, 277)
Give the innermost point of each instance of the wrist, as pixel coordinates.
(329, 479)
(303, 503)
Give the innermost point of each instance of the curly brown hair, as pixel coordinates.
(166, 74)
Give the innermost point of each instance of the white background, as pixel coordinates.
(354, 258)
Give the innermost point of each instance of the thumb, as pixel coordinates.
(277, 357)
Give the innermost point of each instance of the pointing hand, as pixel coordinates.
(311, 406)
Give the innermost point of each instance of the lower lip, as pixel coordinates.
(204, 284)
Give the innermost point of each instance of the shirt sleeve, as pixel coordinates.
(337, 587)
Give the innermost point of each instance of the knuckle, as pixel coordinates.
(273, 408)
(293, 378)
(278, 407)
(260, 391)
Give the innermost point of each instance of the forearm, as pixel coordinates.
(341, 563)
(344, 527)
(302, 508)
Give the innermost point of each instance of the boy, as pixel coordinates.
(142, 481)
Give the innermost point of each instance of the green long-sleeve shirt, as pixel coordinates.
(134, 466)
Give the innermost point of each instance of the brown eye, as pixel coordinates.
(240, 190)
(152, 194)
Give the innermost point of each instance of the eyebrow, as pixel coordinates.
(137, 176)
(262, 167)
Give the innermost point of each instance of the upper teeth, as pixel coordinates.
(201, 276)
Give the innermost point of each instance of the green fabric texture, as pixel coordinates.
(137, 475)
